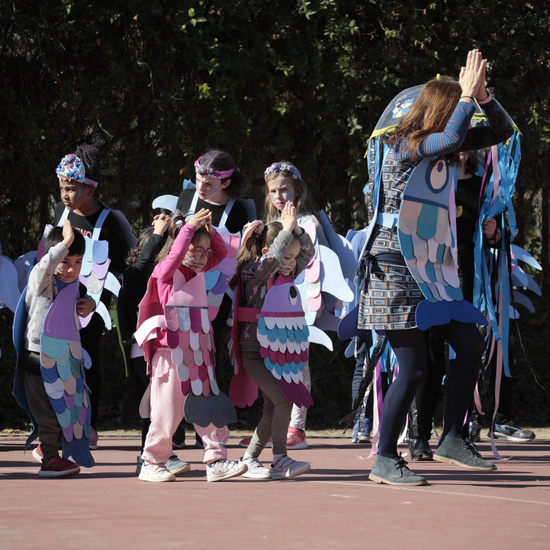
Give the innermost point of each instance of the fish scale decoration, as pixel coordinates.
(427, 230)
(61, 359)
(189, 336)
(95, 276)
(283, 336)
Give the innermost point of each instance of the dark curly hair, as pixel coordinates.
(89, 155)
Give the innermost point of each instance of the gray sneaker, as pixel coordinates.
(255, 468)
(394, 471)
(287, 467)
(455, 450)
(176, 466)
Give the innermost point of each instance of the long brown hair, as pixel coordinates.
(133, 255)
(251, 250)
(429, 114)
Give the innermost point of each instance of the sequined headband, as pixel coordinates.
(203, 170)
(277, 167)
(73, 168)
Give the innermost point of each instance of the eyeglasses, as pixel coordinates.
(200, 252)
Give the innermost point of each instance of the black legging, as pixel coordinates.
(90, 337)
(409, 347)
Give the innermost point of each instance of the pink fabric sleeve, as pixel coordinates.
(219, 250)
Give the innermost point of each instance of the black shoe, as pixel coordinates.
(474, 431)
(394, 471)
(456, 450)
(139, 464)
(419, 449)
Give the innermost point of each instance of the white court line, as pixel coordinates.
(426, 490)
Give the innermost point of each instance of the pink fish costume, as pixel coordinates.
(189, 337)
(175, 331)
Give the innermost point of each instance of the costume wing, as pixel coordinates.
(427, 236)
(323, 286)
(189, 335)
(9, 287)
(283, 336)
(95, 276)
(61, 359)
(243, 391)
(216, 280)
(20, 319)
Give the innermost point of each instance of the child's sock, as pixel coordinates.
(247, 455)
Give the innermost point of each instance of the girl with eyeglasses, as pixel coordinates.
(175, 332)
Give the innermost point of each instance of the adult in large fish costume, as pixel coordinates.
(411, 279)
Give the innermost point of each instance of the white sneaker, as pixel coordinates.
(287, 467)
(155, 473)
(176, 466)
(37, 454)
(224, 469)
(255, 468)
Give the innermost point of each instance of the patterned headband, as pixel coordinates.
(203, 170)
(277, 167)
(73, 168)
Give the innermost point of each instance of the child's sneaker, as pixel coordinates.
(363, 435)
(93, 440)
(296, 439)
(224, 469)
(57, 467)
(246, 442)
(176, 466)
(255, 468)
(287, 467)
(37, 454)
(155, 473)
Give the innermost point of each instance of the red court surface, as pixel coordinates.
(333, 506)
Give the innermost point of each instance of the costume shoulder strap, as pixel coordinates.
(226, 212)
(100, 221)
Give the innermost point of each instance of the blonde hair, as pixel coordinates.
(302, 202)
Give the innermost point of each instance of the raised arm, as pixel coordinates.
(499, 130)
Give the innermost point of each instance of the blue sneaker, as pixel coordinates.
(511, 432)
(362, 436)
(176, 466)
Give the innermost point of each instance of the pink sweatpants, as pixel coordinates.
(167, 402)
